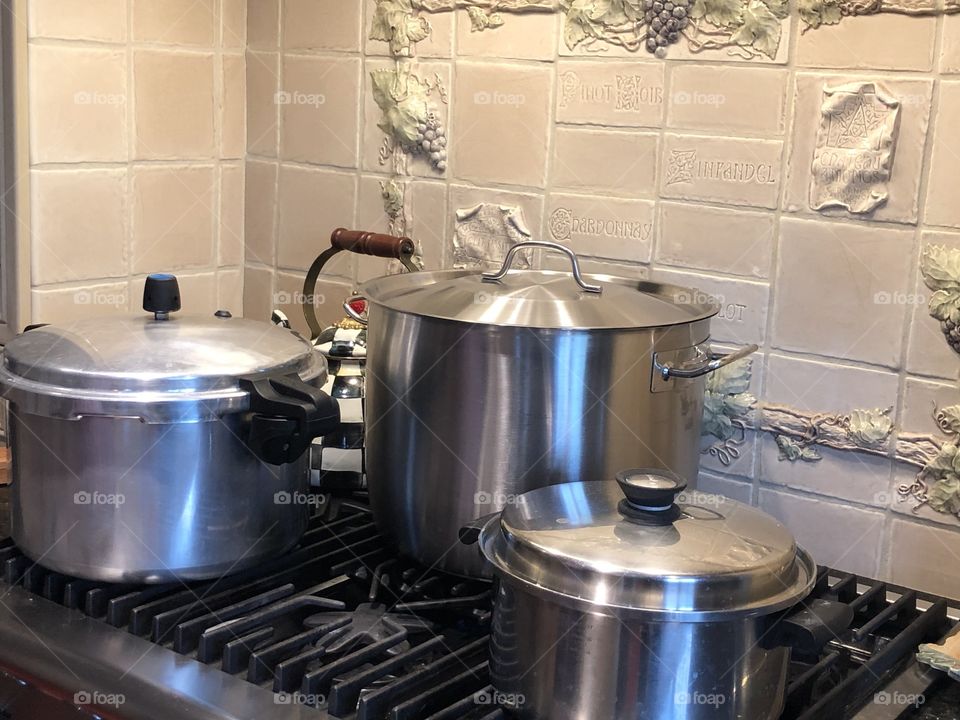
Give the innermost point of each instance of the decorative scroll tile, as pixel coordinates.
(853, 159)
(485, 232)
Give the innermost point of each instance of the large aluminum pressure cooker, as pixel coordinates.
(481, 386)
(157, 447)
(616, 602)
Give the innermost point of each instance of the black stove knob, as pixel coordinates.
(161, 295)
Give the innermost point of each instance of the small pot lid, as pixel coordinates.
(706, 557)
(540, 299)
(115, 363)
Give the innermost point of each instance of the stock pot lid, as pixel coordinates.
(540, 299)
(148, 360)
(708, 557)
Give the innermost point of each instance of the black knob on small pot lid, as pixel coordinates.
(650, 493)
(161, 295)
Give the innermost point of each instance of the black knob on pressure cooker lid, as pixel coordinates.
(161, 295)
(650, 494)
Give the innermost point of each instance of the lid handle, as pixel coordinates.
(574, 263)
(650, 495)
(161, 295)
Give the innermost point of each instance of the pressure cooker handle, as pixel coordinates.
(469, 533)
(574, 263)
(705, 364)
(287, 414)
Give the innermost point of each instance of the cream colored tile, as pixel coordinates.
(319, 110)
(829, 387)
(173, 217)
(61, 306)
(609, 161)
(733, 488)
(437, 44)
(233, 130)
(602, 227)
(260, 205)
(101, 20)
(908, 163)
(921, 400)
(328, 296)
(230, 246)
(178, 22)
(77, 104)
(628, 94)
(924, 557)
(230, 290)
(942, 207)
(527, 36)
(174, 105)
(875, 42)
(233, 24)
(526, 208)
(728, 99)
(373, 137)
(743, 304)
(927, 350)
(736, 171)
(950, 45)
(839, 290)
(312, 203)
(733, 242)
(592, 266)
(257, 293)
(263, 85)
(501, 114)
(842, 537)
(78, 224)
(263, 24)
(429, 221)
(689, 51)
(322, 24)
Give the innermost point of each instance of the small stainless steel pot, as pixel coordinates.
(636, 608)
(480, 387)
(155, 448)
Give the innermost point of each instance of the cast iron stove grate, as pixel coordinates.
(340, 622)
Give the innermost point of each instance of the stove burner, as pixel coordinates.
(368, 624)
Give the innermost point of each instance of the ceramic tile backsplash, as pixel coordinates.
(875, 42)
(629, 164)
(628, 94)
(942, 207)
(133, 106)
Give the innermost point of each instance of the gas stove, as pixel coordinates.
(340, 628)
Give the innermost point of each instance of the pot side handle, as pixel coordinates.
(816, 623)
(469, 534)
(287, 414)
(703, 365)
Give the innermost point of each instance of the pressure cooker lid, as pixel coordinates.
(154, 357)
(541, 298)
(628, 547)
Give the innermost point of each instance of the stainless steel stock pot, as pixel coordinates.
(615, 602)
(158, 447)
(481, 386)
